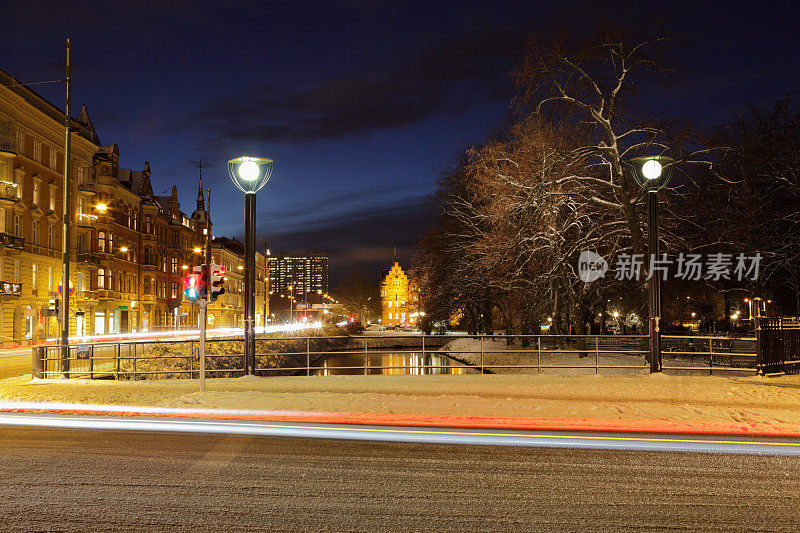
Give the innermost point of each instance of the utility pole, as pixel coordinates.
(67, 214)
(266, 284)
(203, 302)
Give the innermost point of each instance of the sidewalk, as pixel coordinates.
(694, 404)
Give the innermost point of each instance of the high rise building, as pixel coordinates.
(306, 274)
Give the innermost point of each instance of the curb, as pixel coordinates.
(685, 427)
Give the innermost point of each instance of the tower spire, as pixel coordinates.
(201, 201)
(394, 255)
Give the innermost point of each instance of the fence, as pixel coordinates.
(779, 346)
(389, 354)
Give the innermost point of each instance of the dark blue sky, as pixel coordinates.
(359, 103)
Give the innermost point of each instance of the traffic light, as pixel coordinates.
(194, 288)
(217, 281)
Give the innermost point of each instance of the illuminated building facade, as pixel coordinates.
(131, 249)
(399, 298)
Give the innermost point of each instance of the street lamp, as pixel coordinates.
(653, 173)
(249, 174)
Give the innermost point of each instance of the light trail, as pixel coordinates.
(188, 333)
(413, 435)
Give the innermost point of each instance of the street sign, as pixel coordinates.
(71, 288)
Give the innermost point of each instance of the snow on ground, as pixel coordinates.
(659, 397)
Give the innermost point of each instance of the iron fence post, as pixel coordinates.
(366, 357)
(134, 362)
(91, 364)
(711, 357)
(481, 354)
(539, 355)
(597, 355)
(308, 356)
(423, 353)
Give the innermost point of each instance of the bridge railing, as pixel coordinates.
(395, 354)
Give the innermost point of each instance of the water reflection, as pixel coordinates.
(389, 363)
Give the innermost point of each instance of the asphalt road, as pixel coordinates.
(93, 480)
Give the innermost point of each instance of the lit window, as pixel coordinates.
(101, 278)
(34, 276)
(101, 241)
(49, 278)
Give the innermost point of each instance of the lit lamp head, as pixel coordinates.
(250, 174)
(652, 172)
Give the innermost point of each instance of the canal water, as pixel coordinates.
(389, 363)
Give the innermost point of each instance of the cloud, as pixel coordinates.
(446, 77)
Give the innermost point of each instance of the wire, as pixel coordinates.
(31, 83)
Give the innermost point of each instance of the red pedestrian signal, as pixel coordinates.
(217, 281)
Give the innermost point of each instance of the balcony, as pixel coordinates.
(86, 220)
(8, 142)
(11, 241)
(8, 194)
(147, 298)
(89, 257)
(87, 186)
(13, 289)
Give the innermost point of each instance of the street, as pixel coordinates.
(79, 480)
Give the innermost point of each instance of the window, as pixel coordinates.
(50, 243)
(147, 256)
(146, 287)
(110, 243)
(101, 241)
(18, 182)
(390, 316)
(101, 278)
(35, 232)
(52, 198)
(49, 278)
(37, 150)
(17, 228)
(174, 266)
(175, 238)
(390, 303)
(34, 276)
(174, 289)
(36, 188)
(109, 280)
(81, 285)
(80, 206)
(2, 220)
(53, 159)
(16, 271)
(147, 228)
(79, 242)
(128, 286)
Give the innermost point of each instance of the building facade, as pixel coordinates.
(399, 298)
(131, 249)
(306, 274)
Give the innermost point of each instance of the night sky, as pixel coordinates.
(359, 103)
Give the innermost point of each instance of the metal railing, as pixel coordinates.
(388, 354)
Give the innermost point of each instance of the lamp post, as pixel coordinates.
(249, 174)
(653, 173)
